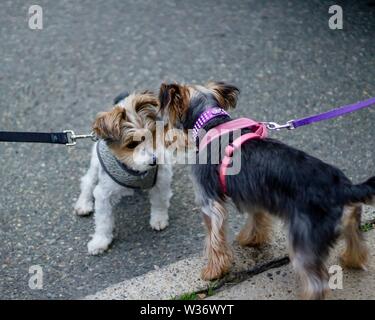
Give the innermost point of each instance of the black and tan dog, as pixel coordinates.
(316, 200)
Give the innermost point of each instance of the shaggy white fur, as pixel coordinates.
(135, 113)
(99, 193)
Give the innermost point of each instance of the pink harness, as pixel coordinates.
(259, 131)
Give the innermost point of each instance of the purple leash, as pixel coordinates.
(293, 124)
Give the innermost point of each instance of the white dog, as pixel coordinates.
(123, 160)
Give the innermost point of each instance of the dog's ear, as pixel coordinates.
(146, 99)
(169, 95)
(225, 94)
(146, 104)
(174, 101)
(107, 125)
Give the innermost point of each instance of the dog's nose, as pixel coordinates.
(154, 160)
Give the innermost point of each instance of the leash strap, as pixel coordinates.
(333, 113)
(293, 124)
(35, 137)
(67, 137)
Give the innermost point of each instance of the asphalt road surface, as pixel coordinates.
(282, 54)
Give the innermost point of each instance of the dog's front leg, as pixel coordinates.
(218, 251)
(85, 203)
(105, 198)
(160, 196)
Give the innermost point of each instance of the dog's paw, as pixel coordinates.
(255, 240)
(217, 268)
(83, 208)
(98, 244)
(210, 273)
(358, 261)
(159, 222)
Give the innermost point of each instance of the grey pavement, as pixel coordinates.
(281, 54)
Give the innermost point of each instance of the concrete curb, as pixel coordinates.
(282, 284)
(183, 276)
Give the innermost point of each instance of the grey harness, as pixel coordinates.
(121, 174)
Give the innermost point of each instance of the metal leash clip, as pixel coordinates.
(72, 137)
(276, 126)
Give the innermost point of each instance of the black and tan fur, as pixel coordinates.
(316, 200)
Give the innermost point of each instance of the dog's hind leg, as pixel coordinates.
(308, 249)
(218, 251)
(85, 202)
(356, 253)
(256, 230)
(312, 273)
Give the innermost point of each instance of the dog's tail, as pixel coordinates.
(363, 193)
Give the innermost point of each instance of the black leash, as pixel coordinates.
(67, 137)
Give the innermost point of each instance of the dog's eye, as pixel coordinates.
(133, 144)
